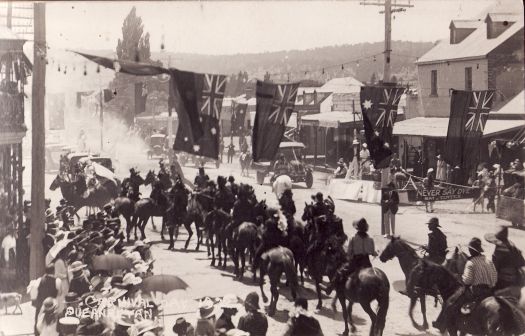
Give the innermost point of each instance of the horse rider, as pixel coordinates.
(242, 208)
(321, 235)
(133, 192)
(319, 205)
(164, 174)
(360, 248)
(507, 259)
(281, 166)
(201, 179)
(437, 242)
(157, 194)
(272, 236)
(335, 223)
(234, 187)
(178, 195)
(340, 172)
(287, 204)
(479, 278)
(224, 198)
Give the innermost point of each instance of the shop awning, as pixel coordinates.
(336, 119)
(438, 127)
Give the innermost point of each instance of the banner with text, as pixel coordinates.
(444, 192)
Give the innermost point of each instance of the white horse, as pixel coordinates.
(281, 183)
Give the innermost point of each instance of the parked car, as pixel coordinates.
(298, 172)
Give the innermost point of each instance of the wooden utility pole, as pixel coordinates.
(389, 9)
(36, 265)
(101, 120)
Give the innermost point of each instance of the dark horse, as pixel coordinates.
(215, 224)
(244, 237)
(274, 262)
(296, 241)
(408, 259)
(492, 316)
(363, 286)
(199, 205)
(124, 206)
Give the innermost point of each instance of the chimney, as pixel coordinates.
(461, 29)
(315, 98)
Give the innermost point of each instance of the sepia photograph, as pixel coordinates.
(262, 168)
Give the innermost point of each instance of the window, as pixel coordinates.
(468, 78)
(433, 82)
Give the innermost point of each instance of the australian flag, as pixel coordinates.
(275, 103)
(198, 102)
(469, 111)
(239, 111)
(379, 107)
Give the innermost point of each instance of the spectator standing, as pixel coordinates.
(301, 322)
(254, 321)
(441, 169)
(47, 321)
(428, 184)
(390, 205)
(229, 307)
(480, 198)
(231, 152)
(48, 287)
(183, 328)
(206, 318)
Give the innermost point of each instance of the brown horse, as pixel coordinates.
(274, 262)
(215, 224)
(363, 286)
(125, 206)
(491, 316)
(199, 205)
(296, 241)
(145, 208)
(407, 258)
(244, 237)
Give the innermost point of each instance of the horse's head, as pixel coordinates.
(426, 275)
(308, 212)
(56, 183)
(150, 177)
(456, 260)
(396, 248)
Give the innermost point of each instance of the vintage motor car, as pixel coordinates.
(298, 171)
(157, 146)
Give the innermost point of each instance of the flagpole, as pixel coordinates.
(101, 120)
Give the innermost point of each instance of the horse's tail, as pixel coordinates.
(291, 273)
(383, 301)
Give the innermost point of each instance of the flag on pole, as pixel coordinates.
(198, 102)
(239, 111)
(275, 103)
(469, 111)
(379, 107)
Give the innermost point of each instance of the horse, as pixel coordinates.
(199, 204)
(245, 160)
(281, 183)
(308, 217)
(97, 197)
(144, 209)
(215, 224)
(491, 316)
(407, 258)
(124, 206)
(244, 237)
(274, 262)
(364, 286)
(456, 260)
(296, 241)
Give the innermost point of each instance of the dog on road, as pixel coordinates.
(10, 299)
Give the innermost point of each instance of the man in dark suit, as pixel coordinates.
(389, 204)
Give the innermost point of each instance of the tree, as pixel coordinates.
(134, 45)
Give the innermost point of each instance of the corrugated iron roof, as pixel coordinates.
(438, 127)
(476, 45)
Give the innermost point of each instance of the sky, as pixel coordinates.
(252, 26)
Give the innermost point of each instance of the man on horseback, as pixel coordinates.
(177, 212)
(281, 166)
(157, 194)
(437, 242)
(164, 175)
(201, 179)
(272, 236)
(287, 204)
(335, 223)
(507, 259)
(360, 248)
(319, 205)
(234, 187)
(224, 198)
(131, 185)
(479, 277)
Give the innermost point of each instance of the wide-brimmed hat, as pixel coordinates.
(341, 161)
(145, 325)
(130, 279)
(475, 244)
(114, 293)
(230, 301)
(71, 298)
(126, 318)
(50, 304)
(252, 300)
(77, 266)
(181, 326)
(365, 145)
(430, 170)
(318, 196)
(206, 308)
(498, 238)
(434, 221)
(360, 225)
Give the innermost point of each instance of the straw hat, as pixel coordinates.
(207, 308)
(77, 266)
(49, 305)
(230, 301)
(145, 325)
(131, 279)
(498, 238)
(430, 170)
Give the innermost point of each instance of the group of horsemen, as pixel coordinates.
(481, 275)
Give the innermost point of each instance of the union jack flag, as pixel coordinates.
(478, 110)
(212, 95)
(283, 103)
(388, 107)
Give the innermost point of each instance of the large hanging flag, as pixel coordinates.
(469, 111)
(141, 95)
(275, 103)
(239, 111)
(379, 107)
(198, 102)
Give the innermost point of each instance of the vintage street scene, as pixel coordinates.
(289, 168)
